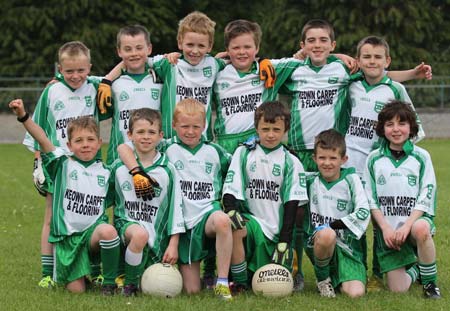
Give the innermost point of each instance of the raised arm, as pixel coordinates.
(35, 130)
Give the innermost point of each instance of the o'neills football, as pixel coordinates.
(272, 280)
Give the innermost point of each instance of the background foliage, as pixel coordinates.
(32, 31)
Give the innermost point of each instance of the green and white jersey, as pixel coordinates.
(237, 95)
(266, 179)
(343, 199)
(200, 173)
(397, 187)
(82, 192)
(366, 103)
(58, 105)
(130, 92)
(319, 101)
(162, 216)
(184, 80)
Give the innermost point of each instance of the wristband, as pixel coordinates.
(24, 118)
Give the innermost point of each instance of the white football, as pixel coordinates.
(272, 280)
(161, 279)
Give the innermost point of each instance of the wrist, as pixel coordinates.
(23, 118)
(135, 170)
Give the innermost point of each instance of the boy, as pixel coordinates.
(82, 192)
(135, 88)
(265, 186)
(194, 74)
(149, 230)
(335, 219)
(368, 95)
(71, 97)
(239, 88)
(201, 167)
(401, 189)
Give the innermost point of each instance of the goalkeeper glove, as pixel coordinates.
(281, 254)
(143, 184)
(267, 72)
(104, 95)
(251, 142)
(39, 177)
(237, 222)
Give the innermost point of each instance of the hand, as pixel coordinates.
(222, 55)
(267, 72)
(39, 177)
(173, 57)
(300, 54)
(104, 95)
(401, 234)
(170, 255)
(282, 254)
(423, 71)
(251, 142)
(17, 107)
(389, 238)
(349, 61)
(143, 184)
(237, 222)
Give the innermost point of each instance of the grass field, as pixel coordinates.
(23, 209)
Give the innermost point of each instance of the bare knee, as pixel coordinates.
(421, 231)
(325, 238)
(107, 232)
(76, 286)
(353, 289)
(222, 223)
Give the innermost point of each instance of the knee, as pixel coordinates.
(325, 238)
(76, 287)
(108, 232)
(397, 288)
(421, 231)
(356, 292)
(222, 223)
(140, 237)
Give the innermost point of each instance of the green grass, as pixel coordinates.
(22, 211)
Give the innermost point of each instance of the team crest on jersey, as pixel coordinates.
(253, 166)
(412, 180)
(378, 106)
(157, 191)
(302, 179)
(341, 205)
(302, 82)
(276, 170)
(101, 181)
(155, 94)
(179, 165)
(430, 191)
(230, 176)
(315, 200)
(381, 180)
(88, 101)
(124, 96)
(208, 167)
(362, 214)
(73, 175)
(256, 82)
(333, 80)
(126, 186)
(207, 72)
(223, 86)
(59, 105)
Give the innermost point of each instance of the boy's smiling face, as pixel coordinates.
(329, 162)
(134, 51)
(373, 61)
(75, 70)
(84, 144)
(318, 45)
(194, 46)
(242, 51)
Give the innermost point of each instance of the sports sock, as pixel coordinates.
(47, 265)
(132, 266)
(109, 252)
(413, 273)
(239, 273)
(322, 268)
(299, 235)
(209, 266)
(223, 281)
(428, 272)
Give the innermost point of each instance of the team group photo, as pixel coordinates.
(228, 168)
